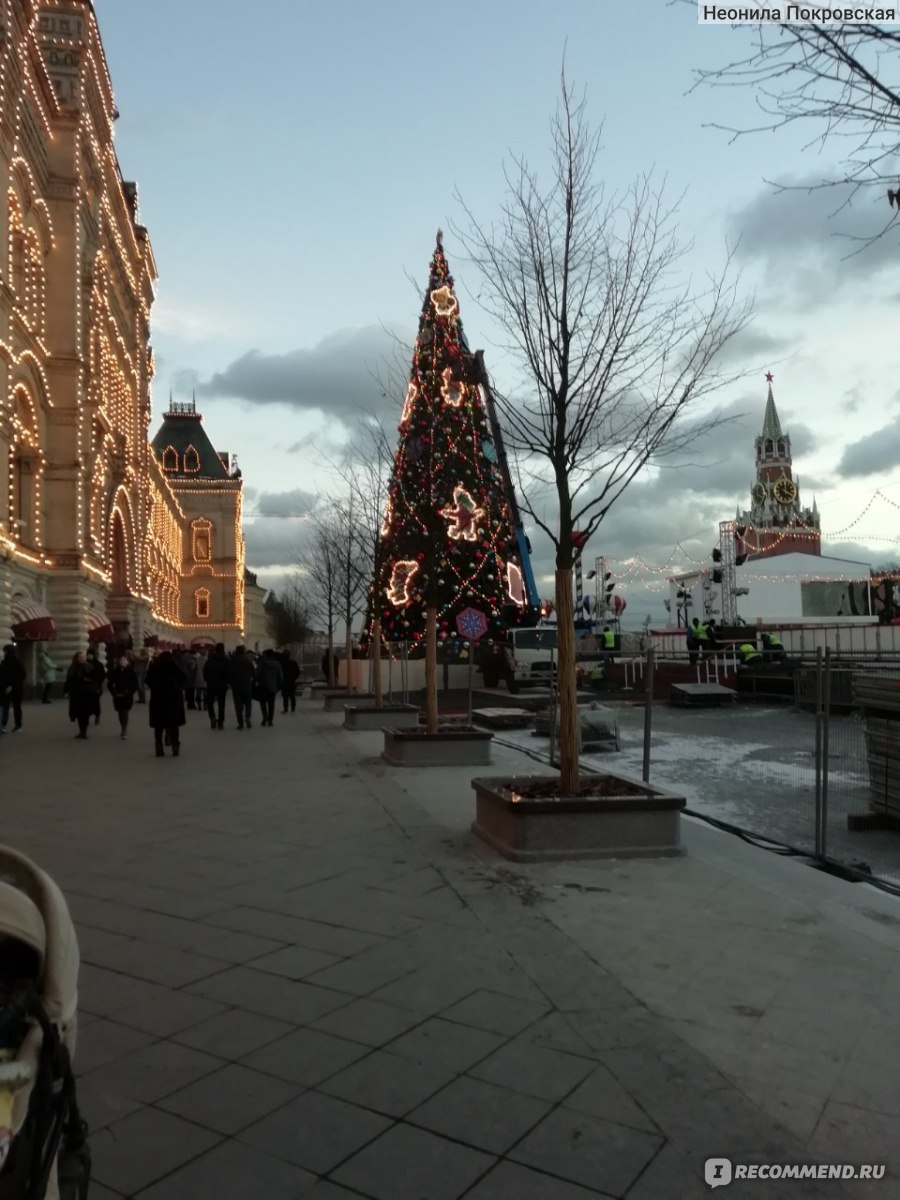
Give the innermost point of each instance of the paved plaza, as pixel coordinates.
(303, 977)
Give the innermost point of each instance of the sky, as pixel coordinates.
(294, 161)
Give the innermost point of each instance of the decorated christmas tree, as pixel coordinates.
(447, 542)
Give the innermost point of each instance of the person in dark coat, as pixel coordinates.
(83, 684)
(290, 671)
(166, 681)
(215, 675)
(12, 686)
(99, 672)
(242, 677)
(270, 679)
(123, 683)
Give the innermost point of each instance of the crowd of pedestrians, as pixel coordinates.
(169, 682)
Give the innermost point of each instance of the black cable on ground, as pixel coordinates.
(840, 870)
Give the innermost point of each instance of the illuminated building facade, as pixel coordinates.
(96, 539)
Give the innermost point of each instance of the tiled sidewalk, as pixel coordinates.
(302, 977)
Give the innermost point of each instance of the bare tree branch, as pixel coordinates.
(613, 343)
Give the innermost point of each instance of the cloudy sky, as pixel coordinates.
(295, 159)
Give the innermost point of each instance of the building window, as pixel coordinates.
(191, 460)
(170, 459)
(201, 603)
(201, 537)
(22, 496)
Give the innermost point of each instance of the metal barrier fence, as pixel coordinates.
(820, 776)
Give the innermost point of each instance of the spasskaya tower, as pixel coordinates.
(775, 522)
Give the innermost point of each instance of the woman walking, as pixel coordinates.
(166, 681)
(46, 673)
(122, 685)
(83, 684)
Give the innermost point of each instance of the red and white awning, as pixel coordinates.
(100, 627)
(31, 622)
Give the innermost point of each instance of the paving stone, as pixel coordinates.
(99, 1192)
(232, 1172)
(601, 1095)
(145, 1147)
(495, 1012)
(154, 1071)
(317, 935)
(512, 1181)
(160, 964)
(368, 1021)
(588, 1150)
(317, 1132)
(141, 1005)
(231, 1099)
(388, 1083)
(293, 962)
(480, 1114)
(101, 1103)
(257, 991)
(668, 1177)
(408, 1164)
(233, 1033)
(305, 1056)
(428, 990)
(104, 1041)
(446, 1044)
(534, 1070)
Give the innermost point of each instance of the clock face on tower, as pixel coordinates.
(759, 493)
(785, 491)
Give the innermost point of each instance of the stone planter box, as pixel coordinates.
(334, 699)
(446, 748)
(368, 717)
(572, 827)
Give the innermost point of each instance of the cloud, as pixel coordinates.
(755, 346)
(348, 373)
(295, 503)
(275, 541)
(812, 239)
(876, 452)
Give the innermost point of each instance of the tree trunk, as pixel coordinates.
(349, 652)
(431, 698)
(376, 662)
(566, 686)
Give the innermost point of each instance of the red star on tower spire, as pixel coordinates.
(769, 376)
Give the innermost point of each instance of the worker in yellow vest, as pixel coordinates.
(773, 648)
(750, 656)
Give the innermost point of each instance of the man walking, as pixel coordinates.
(241, 677)
(215, 673)
(12, 687)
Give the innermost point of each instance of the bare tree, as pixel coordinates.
(613, 345)
(366, 471)
(843, 81)
(289, 618)
(319, 581)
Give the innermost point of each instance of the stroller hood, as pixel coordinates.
(20, 919)
(32, 909)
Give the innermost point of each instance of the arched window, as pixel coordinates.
(201, 539)
(201, 603)
(781, 449)
(170, 459)
(770, 447)
(191, 460)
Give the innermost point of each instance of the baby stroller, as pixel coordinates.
(44, 1153)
